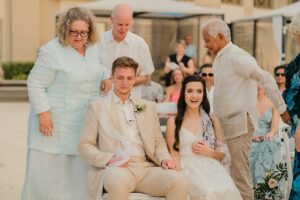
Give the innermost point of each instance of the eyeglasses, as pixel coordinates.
(205, 74)
(82, 33)
(280, 74)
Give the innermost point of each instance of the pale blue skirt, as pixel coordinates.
(54, 177)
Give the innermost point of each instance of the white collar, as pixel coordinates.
(224, 49)
(111, 38)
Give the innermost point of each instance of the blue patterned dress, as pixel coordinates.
(263, 155)
(292, 98)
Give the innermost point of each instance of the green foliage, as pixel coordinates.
(269, 189)
(17, 70)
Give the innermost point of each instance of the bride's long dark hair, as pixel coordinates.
(181, 105)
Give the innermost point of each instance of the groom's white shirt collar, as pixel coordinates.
(116, 99)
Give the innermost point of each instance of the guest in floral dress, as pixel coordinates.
(268, 166)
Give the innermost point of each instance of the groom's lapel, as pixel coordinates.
(141, 119)
(114, 117)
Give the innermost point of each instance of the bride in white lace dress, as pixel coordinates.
(195, 141)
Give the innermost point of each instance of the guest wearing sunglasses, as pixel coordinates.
(206, 72)
(280, 77)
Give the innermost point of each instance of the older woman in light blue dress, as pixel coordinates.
(66, 76)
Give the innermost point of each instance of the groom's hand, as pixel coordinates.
(116, 159)
(168, 164)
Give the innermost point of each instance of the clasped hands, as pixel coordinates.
(269, 136)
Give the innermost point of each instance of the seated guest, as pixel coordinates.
(196, 143)
(124, 153)
(206, 72)
(173, 91)
(152, 92)
(265, 152)
(185, 63)
(280, 77)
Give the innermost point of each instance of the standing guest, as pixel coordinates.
(292, 98)
(190, 49)
(206, 72)
(199, 148)
(280, 77)
(236, 76)
(65, 78)
(124, 153)
(119, 41)
(185, 63)
(173, 91)
(153, 92)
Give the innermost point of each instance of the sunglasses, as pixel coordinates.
(205, 74)
(280, 74)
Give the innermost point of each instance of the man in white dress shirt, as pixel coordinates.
(236, 76)
(119, 41)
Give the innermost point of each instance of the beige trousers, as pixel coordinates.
(239, 152)
(144, 177)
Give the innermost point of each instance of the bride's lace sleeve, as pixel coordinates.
(227, 159)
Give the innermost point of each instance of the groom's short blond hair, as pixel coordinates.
(124, 62)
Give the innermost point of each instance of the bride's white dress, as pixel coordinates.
(208, 178)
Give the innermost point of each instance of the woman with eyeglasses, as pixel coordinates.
(280, 77)
(65, 78)
(292, 98)
(206, 72)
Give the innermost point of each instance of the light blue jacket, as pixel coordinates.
(63, 82)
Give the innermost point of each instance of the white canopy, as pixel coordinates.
(286, 11)
(152, 8)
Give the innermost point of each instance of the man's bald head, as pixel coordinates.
(121, 19)
(121, 11)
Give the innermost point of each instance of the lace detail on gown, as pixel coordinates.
(208, 178)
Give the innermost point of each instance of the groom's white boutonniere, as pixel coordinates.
(139, 108)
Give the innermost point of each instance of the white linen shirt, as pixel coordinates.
(235, 90)
(153, 92)
(129, 125)
(62, 82)
(132, 46)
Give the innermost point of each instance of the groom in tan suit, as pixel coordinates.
(122, 142)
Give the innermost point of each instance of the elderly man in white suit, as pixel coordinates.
(236, 77)
(123, 145)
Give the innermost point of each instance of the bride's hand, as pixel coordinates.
(202, 148)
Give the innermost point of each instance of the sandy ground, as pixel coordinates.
(13, 132)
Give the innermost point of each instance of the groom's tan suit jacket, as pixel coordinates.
(97, 148)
